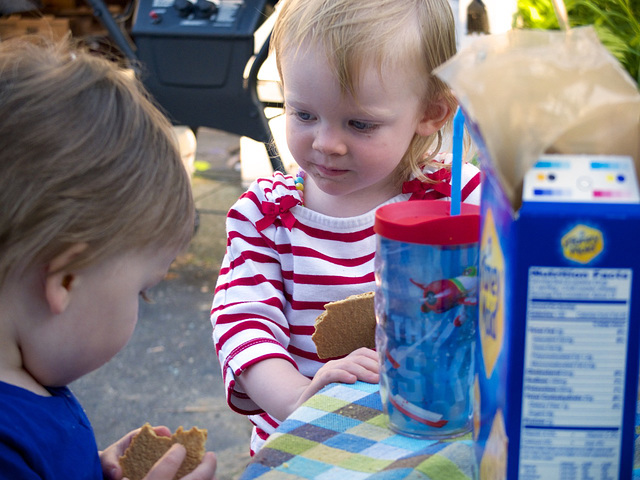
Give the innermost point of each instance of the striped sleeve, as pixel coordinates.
(248, 318)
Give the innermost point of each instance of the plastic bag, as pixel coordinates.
(529, 92)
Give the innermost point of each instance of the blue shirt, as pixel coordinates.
(45, 437)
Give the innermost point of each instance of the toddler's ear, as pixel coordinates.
(59, 281)
(435, 115)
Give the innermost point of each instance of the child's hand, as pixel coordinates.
(169, 463)
(279, 388)
(361, 364)
(110, 457)
(165, 468)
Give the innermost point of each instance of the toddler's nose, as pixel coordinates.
(328, 141)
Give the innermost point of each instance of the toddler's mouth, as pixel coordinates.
(330, 172)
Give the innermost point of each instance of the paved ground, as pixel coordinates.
(168, 374)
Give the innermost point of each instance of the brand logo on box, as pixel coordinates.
(491, 316)
(582, 244)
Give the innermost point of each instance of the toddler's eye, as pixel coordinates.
(362, 126)
(145, 298)
(303, 116)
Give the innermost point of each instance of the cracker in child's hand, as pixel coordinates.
(345, 326)
(147, 447)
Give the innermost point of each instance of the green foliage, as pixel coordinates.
(617, 23)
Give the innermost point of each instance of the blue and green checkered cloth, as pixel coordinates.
(341, 433)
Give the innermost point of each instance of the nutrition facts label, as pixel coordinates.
(574, 372)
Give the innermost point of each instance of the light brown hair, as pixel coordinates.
(415, 33)
(85, 157)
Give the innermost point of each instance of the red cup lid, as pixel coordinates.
(428, 222)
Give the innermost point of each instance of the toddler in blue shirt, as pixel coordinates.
(95, 205)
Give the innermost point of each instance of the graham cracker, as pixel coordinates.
(147, 447)
(345, 326)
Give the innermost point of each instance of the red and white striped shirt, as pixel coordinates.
(283, 263)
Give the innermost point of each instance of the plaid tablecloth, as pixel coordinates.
(341, 433)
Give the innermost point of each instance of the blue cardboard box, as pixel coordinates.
(557, 355)
(559, 322)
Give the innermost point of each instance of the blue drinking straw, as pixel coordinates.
(456, 163)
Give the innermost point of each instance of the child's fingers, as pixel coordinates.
(364, 351)
(365, 357)
(109, 458)
(206, 470)
(361, 364)
(348, 371)
(365, 373)
(168, 465)
(333, 375)
(162, 431)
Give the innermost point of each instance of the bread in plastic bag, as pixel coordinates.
(529, 92)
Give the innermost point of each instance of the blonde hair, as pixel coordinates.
(85, 157)
(416, 33)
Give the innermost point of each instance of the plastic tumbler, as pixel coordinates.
(426, 303)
